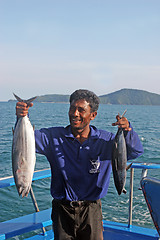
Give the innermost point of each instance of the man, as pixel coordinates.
(80, 160)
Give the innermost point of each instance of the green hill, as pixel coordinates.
(124, 96)
(52, 98)
(131, 97)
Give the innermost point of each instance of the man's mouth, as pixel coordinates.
(75, 120)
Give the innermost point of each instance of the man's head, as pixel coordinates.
(88, 96)
(83, 109)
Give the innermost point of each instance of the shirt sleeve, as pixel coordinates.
(134, 145)
(42, 141)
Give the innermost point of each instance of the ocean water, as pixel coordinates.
(144, 119)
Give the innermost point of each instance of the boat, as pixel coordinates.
(37, 223)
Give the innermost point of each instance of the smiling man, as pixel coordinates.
(81, 112)
(80, 160)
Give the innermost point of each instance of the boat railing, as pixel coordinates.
(45, 173)
(30, 222)
(145, 167)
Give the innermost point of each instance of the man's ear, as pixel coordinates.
(93, 115)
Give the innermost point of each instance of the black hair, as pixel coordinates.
(87, 95)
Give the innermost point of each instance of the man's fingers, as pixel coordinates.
(115, 124)
(128, 129)
(22, 109)
(122, 123)
(30, 104)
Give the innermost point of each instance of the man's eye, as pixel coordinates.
(81, 110)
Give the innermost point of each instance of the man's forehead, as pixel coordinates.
(80, 102)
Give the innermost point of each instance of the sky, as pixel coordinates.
(58, 46)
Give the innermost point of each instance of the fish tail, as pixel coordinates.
(18, 98)
(122, 114)
(26, 101)
(30, 100)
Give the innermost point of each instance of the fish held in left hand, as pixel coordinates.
(23, 153)
(119, 160)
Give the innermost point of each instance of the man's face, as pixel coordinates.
(80, 114)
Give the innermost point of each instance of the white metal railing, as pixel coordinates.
(144, 167)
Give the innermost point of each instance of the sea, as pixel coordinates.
(145, 120)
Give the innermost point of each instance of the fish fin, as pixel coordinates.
(116, 165)
(23, 193)
(13, 130)
(21, 164)
(20, 190)
(124, 191)
(116, 154)
(26, 191)
(129, 166)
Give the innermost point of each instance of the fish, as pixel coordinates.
(119, 161)
(23, 153)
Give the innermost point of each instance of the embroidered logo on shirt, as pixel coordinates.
(95, 166)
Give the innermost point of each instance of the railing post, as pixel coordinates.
(36, 206)
(131, 198)
(144, 173)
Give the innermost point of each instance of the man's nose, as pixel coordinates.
(76, 112)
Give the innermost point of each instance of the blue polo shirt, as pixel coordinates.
(81, 171)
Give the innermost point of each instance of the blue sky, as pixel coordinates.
(57, 46)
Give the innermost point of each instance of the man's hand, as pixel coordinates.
(122, 123)
(22, 109)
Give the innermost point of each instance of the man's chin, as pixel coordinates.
(76, 127)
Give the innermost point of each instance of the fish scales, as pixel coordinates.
(23, 155)
(119, 161)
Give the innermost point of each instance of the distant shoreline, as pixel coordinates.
(122, 97)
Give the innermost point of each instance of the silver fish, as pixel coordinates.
(23, 153)
(119, 161)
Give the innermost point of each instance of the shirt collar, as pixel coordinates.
(93, 134)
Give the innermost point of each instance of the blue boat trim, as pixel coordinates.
(145, 165)
(40, 174)
(120, 231)
(24, 224)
